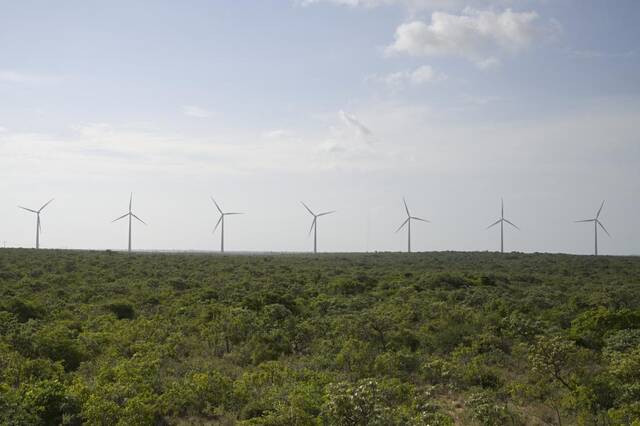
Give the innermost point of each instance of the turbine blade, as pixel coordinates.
(130, 200)
(511, 224)
(308, 209)
(502, 207)
(420, 219)
(600, 209)
(313, 223)
(403, 224)
(233, 213)
(326, 213)
(586, 220)
(29, 210)
(138, 218)
(45, 205)
(603, 228)
(121, 217)
(217, 224)
(217, 206)
(405, 207)
(494, 223)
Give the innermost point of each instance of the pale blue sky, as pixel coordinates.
(345, 104)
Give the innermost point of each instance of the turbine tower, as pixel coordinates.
(38, 225)
(596, 222)
(130, 215)
(314, 225)
(502, 221)
(408, 223)
(221, 221)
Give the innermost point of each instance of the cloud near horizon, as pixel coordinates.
(20, 77)
(104, 149)
(196, 111)
(401, 145)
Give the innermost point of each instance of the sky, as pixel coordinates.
(347, 105)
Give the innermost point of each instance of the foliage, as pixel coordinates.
(105, 338)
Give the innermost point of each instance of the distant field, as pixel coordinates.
(103, 338)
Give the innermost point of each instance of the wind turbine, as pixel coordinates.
(596, 222)
(502, 221)
(38, 225)
(130, 215)
(221, 221)
(314, 225)
(408, 223)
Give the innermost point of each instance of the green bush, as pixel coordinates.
(122, 310)
(591, 327)
(24, 311)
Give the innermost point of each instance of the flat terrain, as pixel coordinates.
(103, 338)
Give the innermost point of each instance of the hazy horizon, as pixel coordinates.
(346, 105)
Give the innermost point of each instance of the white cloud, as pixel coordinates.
(277, 134)
(354, 3)
(351, 121)
(488, 63)
(11, 76)
(348, 145)
(411, 5)
(475, 35)
(408, 138)
(196, 111)
(422, 75)
(425, 74)
(103, 149)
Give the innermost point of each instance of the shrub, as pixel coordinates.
(450, 281)
(590, 327)
(122, 310)
(486, 410)
(24, 311)
(58, 344)
(48, 400)
(198, 394)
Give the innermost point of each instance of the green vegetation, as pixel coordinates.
(378, 339)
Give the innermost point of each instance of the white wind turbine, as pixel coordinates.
(596, 222)
(408, 223)
(502, 221)
(38, 224)
(130, 215)
(314, 225)
(221, 221)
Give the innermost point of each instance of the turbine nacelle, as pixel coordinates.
(221, 221)
(127, 215)
(314, 224)
(222, 215)
(130, 215)
(407, 222)
(39, 210)
(596, 221)
(38, 223)
(502, 221)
